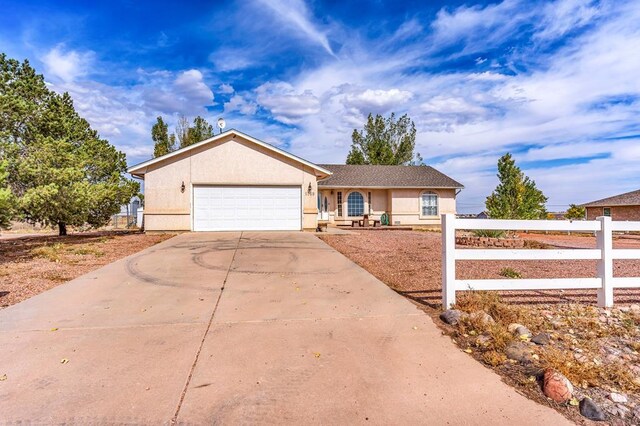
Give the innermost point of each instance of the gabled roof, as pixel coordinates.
(370, 176)
(140, 169)
(627, 199)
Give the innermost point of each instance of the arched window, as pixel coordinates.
(429, 201)
(355, 204)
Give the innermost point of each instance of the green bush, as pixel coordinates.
(489, 233)
(510, 273)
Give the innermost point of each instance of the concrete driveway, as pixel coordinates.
(240, 328)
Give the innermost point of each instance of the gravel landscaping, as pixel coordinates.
(33, 264)
(557, 347)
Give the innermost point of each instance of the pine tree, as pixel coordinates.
(384, 141)
(516, 196)
(6, 199)
(60, 171)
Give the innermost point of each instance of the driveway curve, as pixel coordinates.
(229, 328)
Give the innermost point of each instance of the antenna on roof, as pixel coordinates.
(221, 124)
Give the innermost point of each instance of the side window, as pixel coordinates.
(606, 211)
(429, 204)
(369, 202)
(339, 204)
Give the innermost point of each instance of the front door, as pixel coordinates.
(323, 205)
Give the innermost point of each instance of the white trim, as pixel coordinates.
(137, 169)
(430, 192)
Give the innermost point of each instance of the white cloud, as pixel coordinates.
(186, 93)
(240, 104)
(296, 14)
(285, 104)
(563, 16)
(226, 88)
(67, 65)
(377, 100)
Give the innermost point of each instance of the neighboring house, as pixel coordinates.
(233, 181)
(619, 207)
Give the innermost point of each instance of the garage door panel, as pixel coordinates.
(236, 208)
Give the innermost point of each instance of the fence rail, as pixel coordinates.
(604, 254)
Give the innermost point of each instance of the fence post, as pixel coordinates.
(448, 260)
(604, 241)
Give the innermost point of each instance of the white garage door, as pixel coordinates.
(247, 208)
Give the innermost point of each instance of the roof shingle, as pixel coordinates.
(627, 199)
(377, 176)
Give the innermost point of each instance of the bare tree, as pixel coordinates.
(182, 131)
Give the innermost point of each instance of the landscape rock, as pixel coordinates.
(617, 410)
(523, 331)
(618, 398)
(518, 351)
(591, 410)
(556, 386)
(541, 339)
(482, 317)
(513, 327)
(483, 339)
(451, 316)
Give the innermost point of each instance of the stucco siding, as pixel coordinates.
(231, 161)
(402, 205)
(406, 208)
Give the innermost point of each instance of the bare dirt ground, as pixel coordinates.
(409, 262)
(596, 348)
(32, 264)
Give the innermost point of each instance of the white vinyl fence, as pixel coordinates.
(604, 282)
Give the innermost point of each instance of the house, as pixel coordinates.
(233, 181)
(619, 207)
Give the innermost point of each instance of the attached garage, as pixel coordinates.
(247, 208)
(230, 182)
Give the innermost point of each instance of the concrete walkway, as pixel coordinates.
(237, 329)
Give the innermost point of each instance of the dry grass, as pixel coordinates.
(577, 339)
(510, 273)
(52, 252)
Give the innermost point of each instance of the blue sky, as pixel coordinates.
(557, 83)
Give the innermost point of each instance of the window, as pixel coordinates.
(429, 204)
(369, 202)
(606, 211)
(355, 204)
(339, 204)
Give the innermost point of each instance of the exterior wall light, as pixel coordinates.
(182, 187)
(309, 189)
